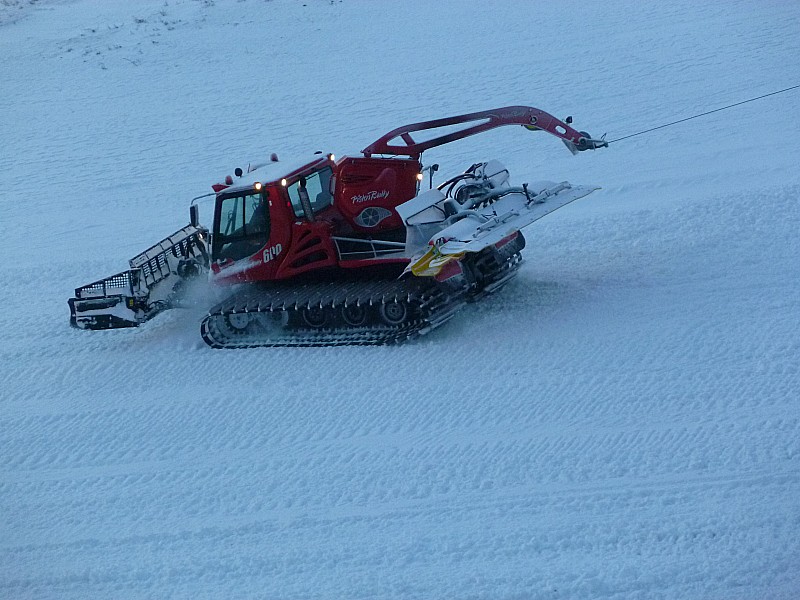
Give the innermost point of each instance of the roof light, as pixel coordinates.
(283, 182)
(331, 157)
(257, 186)
(419, 176)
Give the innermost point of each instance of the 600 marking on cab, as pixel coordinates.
(272, 252)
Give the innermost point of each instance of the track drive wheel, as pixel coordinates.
(314, 316)
(238, 321)
(394, 312)
(354, 314)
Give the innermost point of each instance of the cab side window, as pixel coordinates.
(244, 226)
(318, 186)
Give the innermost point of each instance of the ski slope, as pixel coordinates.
(621, 421)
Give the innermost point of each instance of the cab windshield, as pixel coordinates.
(241, 227)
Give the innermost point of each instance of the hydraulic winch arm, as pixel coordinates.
(399, 142)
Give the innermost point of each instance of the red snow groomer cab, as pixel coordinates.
(286, 219)
(327, 251)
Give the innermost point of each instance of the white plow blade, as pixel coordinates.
(433, 238)
(476, 229)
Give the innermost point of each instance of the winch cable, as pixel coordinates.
(794, 87)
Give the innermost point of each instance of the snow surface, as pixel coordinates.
(621, 421)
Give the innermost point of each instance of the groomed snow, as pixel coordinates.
(622, 421)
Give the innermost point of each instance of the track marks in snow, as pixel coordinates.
(521, 536)
(371, 469)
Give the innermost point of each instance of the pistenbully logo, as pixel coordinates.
(370, 196)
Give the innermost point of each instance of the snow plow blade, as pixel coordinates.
(478, 211)
(110, 303)
(155, 282)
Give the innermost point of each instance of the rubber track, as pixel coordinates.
(432, 304)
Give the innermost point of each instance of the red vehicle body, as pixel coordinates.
(347, 218)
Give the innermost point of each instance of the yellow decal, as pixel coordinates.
(431, 263)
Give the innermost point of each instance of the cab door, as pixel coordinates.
(309, 196)
(241, 226)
